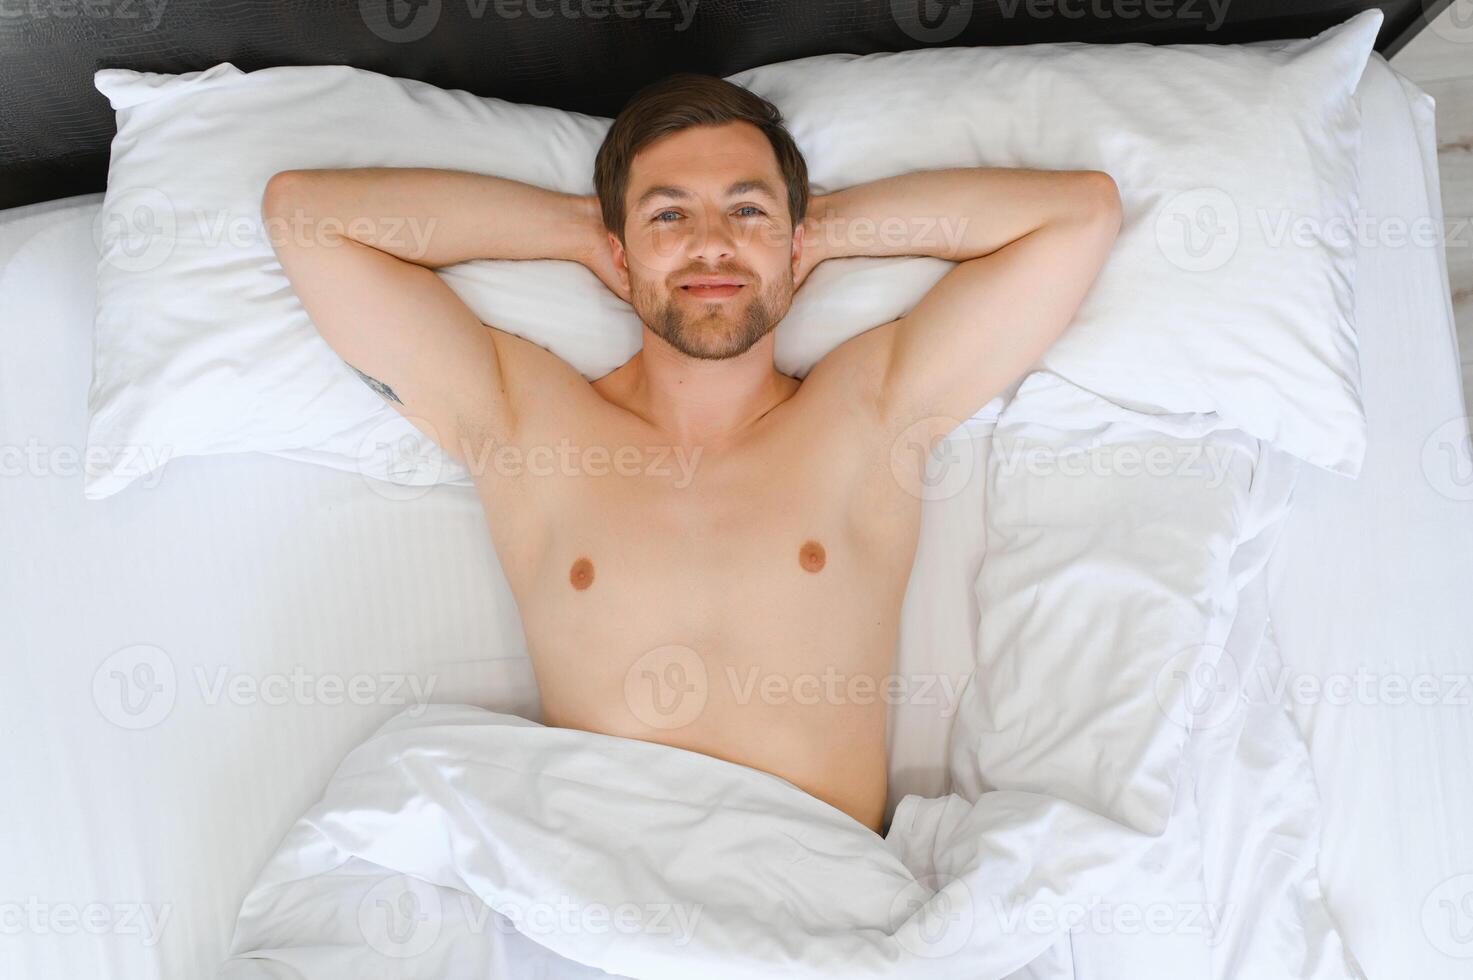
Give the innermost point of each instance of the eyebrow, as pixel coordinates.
(679, 193)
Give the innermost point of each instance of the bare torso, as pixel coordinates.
(741, 601)
(736, 593)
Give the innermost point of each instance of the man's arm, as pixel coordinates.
(1029, 244)
(358, 247)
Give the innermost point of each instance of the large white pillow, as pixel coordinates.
(201, 347)
(1230, 289)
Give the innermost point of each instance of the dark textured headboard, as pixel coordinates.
(587, 55)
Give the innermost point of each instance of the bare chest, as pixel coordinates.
(743, 605)
(787, 549)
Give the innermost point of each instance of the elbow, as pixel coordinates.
(1102, 198)
(281, 191)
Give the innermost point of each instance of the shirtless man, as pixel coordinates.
(749, 610)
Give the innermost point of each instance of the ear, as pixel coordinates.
(621, 259)
(806, 253)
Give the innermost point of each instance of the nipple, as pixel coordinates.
(581, 574)
(811, 556)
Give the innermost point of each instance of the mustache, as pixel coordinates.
(736, 272)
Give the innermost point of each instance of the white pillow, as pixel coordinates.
(201, 346)
(1252, 319)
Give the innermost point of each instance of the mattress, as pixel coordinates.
(1368, 590)
(190, 659)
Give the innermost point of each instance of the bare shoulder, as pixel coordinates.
(849, 382)
(547, 393)
(848, 378)
(843, 391)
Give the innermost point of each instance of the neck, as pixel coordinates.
(700, 402)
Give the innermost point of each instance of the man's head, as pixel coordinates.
(699, 183)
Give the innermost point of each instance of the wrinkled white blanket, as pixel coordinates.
(649, 861)
(1107, 777)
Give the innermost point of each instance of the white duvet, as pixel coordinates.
(1120, 807)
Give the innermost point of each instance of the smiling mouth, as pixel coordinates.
(712, 292)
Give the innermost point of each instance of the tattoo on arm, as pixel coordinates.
(377, 385)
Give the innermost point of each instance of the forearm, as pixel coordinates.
(430, 217)
(956, 214)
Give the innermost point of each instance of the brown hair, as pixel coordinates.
(679, 102)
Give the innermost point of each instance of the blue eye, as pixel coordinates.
(750, 207)
(662, 214)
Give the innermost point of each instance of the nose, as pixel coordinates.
(712, 241)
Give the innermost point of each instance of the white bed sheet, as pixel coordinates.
(277, 572)
(1372, 579)
(234, 580)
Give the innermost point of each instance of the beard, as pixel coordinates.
(717, 329)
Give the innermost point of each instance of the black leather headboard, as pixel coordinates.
(587, 55)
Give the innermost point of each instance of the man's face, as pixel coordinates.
(709, 244)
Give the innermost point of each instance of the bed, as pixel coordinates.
(233, 584)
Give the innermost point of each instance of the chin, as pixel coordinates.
(695, 347)
(706, 334)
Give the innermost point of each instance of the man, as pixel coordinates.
(749, 611)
